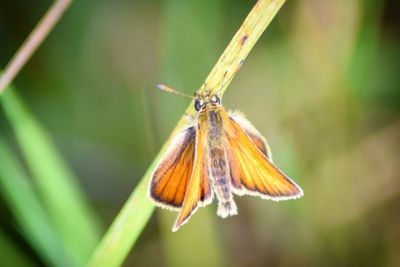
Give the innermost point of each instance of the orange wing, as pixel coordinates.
(251, 171)
(199, 189)
(170, 179)
(252, 132)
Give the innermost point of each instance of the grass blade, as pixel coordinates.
(131, 220)
(30, 215)
(64, 200)
(10, 254)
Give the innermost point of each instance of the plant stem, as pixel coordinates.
(130, 221)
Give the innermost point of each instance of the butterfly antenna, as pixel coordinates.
(168, 89)
(223, 82)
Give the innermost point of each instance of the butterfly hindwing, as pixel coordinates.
(169, 181)
(252, 132)
(251, 171)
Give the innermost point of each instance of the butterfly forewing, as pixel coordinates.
(250, 170)
(199, 192)
(169, 182)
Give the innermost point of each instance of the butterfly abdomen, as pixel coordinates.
(219, 165)
(221, 183)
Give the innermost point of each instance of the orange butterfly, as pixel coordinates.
(219, 155)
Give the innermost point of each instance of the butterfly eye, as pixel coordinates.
(197, 105)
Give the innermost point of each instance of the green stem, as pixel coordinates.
(131, 220)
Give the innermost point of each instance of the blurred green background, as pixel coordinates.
(322, 85)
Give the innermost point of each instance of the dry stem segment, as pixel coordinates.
(33, 41)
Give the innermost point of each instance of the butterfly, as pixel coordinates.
(220, 154)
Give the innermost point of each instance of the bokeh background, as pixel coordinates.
(322, 85)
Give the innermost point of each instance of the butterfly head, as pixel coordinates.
(202, 100)
(205, 101)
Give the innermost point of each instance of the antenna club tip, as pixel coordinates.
(160, 86)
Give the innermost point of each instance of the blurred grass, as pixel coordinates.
(11, 254)
(63, 198)
(31, 217)
(200, 235)
(365, 51)
(126, 228)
